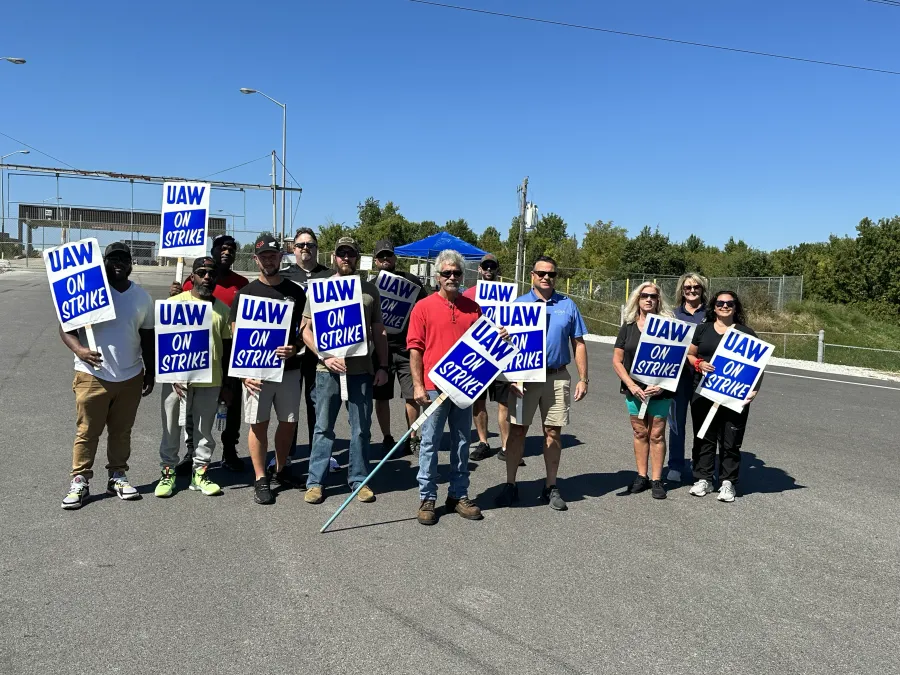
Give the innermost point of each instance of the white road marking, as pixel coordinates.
(825, 379)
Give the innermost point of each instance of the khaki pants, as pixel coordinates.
(100, 404)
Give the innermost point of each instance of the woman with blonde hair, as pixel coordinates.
(691, 296)
(650, 432)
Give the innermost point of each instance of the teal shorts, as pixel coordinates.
(657, 407)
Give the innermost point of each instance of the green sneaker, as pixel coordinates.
(166, 485)
(199, 481)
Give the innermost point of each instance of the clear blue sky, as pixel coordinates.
(443, 112)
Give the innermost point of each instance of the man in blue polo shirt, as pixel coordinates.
(564, 326)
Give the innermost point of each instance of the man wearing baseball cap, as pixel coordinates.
(398, 360)
(489, 270)
(228, 283)
(260, 397)
(110, 382)
(361, 376)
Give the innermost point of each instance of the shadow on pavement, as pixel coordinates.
(573, 489)
(757, 476)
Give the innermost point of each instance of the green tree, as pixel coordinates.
(328, 234)
(602, 246)
(460, 228)
(652, 252)
(490, 240)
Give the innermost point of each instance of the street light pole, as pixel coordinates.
(245, 90)
(13, 59)
(2, 199)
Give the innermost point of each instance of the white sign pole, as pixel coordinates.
(643, 411)
(179, 270)
(709, 418)
(345, 395)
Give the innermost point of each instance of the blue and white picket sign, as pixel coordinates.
(184, 341)
(662, 351)
(78, 284)
(470, 365)
(488, 294)
(263, 325)
(338, 319)
(526, 323)
(185, 217)
(739, 360)
(398, 295)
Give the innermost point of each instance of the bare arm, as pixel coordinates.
(581, 362)
(379, 334)
(619, 366)
(71, 341)
(417, 371)
(148, 354)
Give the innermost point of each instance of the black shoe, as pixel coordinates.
(186, 466)
(413, 445)
(640, 484)
(501, 455)
(387, 445)
(232, 462)
(283, 480)
(551, 496)
(263, 491)
(481, 451)
(657, 490)
(509, 495)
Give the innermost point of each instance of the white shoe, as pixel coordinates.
(79, 491)
(726, 492)
(118, 485)
(674, 476)
(701, 488)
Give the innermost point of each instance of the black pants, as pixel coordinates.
(231, 434)
(727, 431)
(308, 370)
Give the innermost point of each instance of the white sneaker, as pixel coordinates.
(79, 491)
(726, 492)
(701, 488)
(674, 476)
(118, 485)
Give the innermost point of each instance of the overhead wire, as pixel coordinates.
(738, 50)
(238, 166)
(40, 152)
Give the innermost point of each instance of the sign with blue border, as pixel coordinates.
(78, 284)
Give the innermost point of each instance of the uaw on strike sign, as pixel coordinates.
(78, 284)
(488, 294)
(739, 361)
(183, 341)
(662, 351)
(263, 325)
(398, 295)
(336, 308)
(185, 216)
(469, 367)
(526, 324)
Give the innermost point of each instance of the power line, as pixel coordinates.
(238, 166)
(658, 38)
(890, 3)
(40, 152)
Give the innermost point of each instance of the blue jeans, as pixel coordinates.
(460, 431)
(328, 404)
(678, 420)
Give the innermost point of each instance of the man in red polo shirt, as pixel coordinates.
(228, 283)
(435, 324)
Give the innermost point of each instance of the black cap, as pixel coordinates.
(266, 242)
(223, 239)
(204, 261)
(384, 245)
(117, 247)
(489, 256)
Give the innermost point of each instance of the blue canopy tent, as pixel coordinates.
(429, 247)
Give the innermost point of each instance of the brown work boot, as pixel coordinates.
(314, 495)
(464, 507)
(365, 495)
(426, 514)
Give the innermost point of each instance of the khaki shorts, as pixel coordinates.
(552, 397)
(284, 395)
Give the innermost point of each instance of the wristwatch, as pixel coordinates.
(586, 380)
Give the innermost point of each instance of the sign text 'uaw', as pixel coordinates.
(398, 295)
(336, 307)
(526, 323)
(185, 217)
(78, 284)
(662, 351)
(489, 294)
(184, 341)
(473, 363)
(263, 325)
(739, 360)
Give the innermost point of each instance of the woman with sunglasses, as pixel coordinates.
(727, 429)
(691, 296)
(650, 432)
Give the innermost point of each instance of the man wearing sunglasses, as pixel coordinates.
(564, 327)
(398, 360)
(489, 270)
(362, 375)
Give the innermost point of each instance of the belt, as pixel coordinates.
(553, 371)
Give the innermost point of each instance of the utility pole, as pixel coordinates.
(274, 199)
(520, 249)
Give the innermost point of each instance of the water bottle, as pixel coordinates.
(221, 416)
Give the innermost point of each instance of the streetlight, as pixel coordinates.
(13, 59)
(2, 201)
(245, 90)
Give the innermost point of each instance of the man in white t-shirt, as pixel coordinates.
(110, 382)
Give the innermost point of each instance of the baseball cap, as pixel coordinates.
(117, 247)
(204, 261)
(489, 256)
(384, 245)
(266, 242)
(347, 241)
(223, 239)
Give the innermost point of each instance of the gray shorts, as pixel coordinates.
(284, 395)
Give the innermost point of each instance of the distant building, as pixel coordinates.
(141, 251)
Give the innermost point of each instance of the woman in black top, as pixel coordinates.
(727, 428)
(650, 432)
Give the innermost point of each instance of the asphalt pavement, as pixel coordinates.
(798, 575)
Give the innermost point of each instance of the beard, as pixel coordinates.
(205, 292)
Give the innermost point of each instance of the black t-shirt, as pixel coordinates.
(284, 290)
(397, 341)
(627, 340)
(300, 276)
(707, 341)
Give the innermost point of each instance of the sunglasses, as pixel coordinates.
(306, 244)
(489, 267)
(203, 273)
(649, 296)
(346, 253)
(451, 273)
(543, 273)
(724, 303)
(384, 256)
(695, 289)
